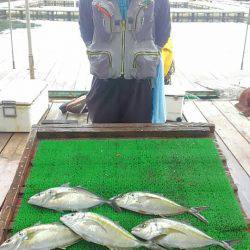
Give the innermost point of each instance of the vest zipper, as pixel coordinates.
(123, 27)
(93, 53)
(150, 53)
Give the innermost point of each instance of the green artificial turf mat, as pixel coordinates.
(188, 171)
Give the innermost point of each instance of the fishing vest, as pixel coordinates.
(123, 47)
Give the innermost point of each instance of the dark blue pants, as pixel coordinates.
(120, 101)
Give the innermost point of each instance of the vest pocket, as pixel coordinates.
(100, 63)
(144, 21)
(145, 64)
(103, 21)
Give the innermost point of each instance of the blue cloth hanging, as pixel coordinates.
(159, 106)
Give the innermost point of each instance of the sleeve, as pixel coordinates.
(86, 21)
(162, 22)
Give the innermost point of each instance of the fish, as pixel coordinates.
(66, 198)
(42, 237)
(174, 234)
(101, 230)
(154, 204)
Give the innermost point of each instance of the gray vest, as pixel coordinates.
(123, 48)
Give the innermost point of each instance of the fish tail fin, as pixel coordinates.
(195, 211)
(227, 244)
(113, 204)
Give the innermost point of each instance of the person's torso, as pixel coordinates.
(123, 47)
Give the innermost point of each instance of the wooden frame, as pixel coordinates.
(69, 131)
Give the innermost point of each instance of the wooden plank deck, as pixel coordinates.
(54, 114)
(61, 59)
(11, 149)
(232, 139)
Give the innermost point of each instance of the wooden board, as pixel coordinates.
(240, 122)
(62, 61)
(4, 138)
(171, 130)
(9, 158)
(55, 113)
(81, 119)
(236, 143)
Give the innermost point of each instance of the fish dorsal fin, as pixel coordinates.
(65, 185)
(87, 191)
(81, 188)
(118, 248)
(161, 195)
(117, 223)
(186, 222)
(84, 189)
(57, 223)
(146, 198)
(37, 223)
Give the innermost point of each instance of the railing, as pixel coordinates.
(71, 15)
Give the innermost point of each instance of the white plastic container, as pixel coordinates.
(22, 104)
(174, 98)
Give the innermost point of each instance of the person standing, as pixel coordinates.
(124, 40)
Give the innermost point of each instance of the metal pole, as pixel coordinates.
(244, 49)
(11, 37)
(31, 60)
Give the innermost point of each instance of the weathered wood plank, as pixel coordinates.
(240, 122)
(4, 138)
(13, 150)
(140, 126)
(81, 119)
(9, 159)
(120, 131)
(192, 113)
(55, 113)
(235, 142)
(17, 184)
(240, 177)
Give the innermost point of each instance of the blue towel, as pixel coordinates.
(159, 109)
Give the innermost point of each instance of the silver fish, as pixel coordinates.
(101, 230)
(154, 204)
(41, 237)
(66, 198)
(174, 234)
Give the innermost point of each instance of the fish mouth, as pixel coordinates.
(32, 201)
(135, 231)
